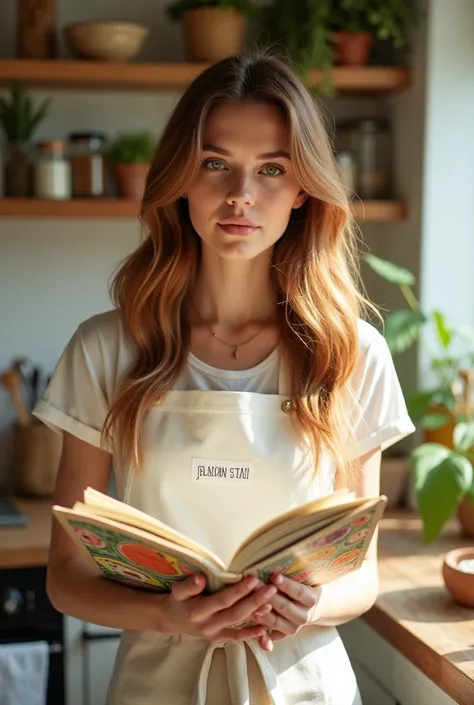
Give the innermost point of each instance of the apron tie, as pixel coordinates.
(238, 670)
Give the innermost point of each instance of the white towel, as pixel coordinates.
(24, 673)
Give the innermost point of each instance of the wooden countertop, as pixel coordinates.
(413, 612)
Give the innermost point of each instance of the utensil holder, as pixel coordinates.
(37, 452)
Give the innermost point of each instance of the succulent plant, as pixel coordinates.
(19, 118)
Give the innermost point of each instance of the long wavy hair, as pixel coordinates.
(314, 263)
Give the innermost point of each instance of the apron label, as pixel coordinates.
(222, 472)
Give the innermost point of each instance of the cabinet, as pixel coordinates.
(100, 650)
(385, 676)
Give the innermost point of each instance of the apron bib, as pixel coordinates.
(217, 465)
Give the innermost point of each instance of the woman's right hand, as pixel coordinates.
(212, 617)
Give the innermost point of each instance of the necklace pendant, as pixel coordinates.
(235, 353)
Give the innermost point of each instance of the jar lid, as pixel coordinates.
(53, 146)
(86, 136)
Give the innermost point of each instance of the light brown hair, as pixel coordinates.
(314, 262)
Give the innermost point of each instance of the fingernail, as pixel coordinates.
(252, 583)
(278, 579)
(270, 591)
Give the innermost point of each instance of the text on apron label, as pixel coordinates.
(228, 472)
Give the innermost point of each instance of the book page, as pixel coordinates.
(284, 524)
(329, 553)
(97, 504)
(136, 558)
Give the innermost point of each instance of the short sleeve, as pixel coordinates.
(75, 400)
(380, 416)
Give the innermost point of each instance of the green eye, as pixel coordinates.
(272, 170)
(214, 164)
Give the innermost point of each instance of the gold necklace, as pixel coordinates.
(235, 348)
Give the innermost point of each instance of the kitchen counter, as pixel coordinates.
(413, 612)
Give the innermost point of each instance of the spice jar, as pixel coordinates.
(52, 170)
(89, 173)
(347, 164)
(370, 140)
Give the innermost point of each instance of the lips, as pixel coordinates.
(238, 226)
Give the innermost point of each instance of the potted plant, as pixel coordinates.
(19, 120)
(442, 464)
(356, 23)
(130, 154)
(302, 27)
(213, 29)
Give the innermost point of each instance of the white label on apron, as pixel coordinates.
(222, 472)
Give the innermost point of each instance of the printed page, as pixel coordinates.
(97, 504)
(136, 558)
(329, 553)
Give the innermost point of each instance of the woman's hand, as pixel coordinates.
(213, 617)
(292, 608)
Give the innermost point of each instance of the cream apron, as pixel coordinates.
(217, 465)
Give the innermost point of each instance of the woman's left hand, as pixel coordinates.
(293, 607)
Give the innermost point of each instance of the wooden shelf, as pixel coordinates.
(111, 75)
(364, 211)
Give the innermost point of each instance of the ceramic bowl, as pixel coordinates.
(459, 582)
(106, 41)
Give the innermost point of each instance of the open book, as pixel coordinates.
(314, 543)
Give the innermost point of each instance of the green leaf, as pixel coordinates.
(389, 271)
(433, 421)
(463, 436)
(402, 329)
(441, 477)
(419, 403)
(442, 330)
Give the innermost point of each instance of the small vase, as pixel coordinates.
(36, 29)
(17, 170)
(353, 48)
(131, 180)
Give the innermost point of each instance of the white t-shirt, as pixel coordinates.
(101, 351)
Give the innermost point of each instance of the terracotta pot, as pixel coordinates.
(459, 582)
(131, 180)
(466, 517)
(212, 34)
(352, 48)
(443, 435)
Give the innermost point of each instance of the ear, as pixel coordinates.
(300, 199)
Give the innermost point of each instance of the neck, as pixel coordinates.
(235, 293)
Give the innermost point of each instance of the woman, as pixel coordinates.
(236, 338)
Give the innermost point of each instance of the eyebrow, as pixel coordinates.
(267, 155)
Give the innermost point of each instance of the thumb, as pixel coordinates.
(185, 589)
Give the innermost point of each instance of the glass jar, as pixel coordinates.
(347, 163)
(370, 139)
(52, 170)
(89, 172)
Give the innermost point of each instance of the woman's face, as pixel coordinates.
(241, 201)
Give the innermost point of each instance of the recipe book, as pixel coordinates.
(313, 544)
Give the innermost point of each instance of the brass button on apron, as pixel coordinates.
(287, 406)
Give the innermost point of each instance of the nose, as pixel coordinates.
(240, 196)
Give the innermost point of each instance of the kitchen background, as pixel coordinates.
(54, 271)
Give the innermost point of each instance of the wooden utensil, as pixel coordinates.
(11, 380)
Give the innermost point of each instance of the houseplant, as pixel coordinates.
(302, 28)
(442, 465)
(19, 120)
(213, 29)
(356, 23)
(130, 154)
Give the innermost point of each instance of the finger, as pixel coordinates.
(266, 642)
(185, 589)
(226, 598)
(242, 610)
(291, 611)
(303, 594)
(276, 623)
